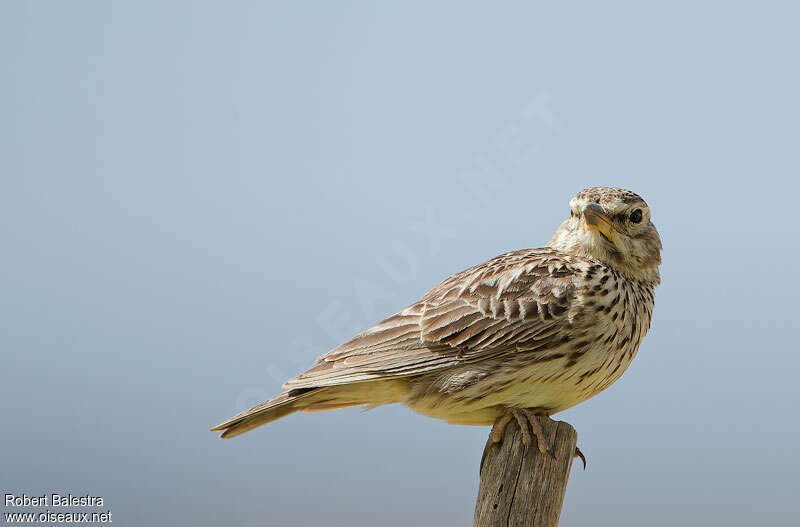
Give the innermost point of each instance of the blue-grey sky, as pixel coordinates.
(197, 199)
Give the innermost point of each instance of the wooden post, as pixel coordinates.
(520, 487)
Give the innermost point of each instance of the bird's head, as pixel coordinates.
(613, 226)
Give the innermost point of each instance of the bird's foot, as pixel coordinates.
(529, 424)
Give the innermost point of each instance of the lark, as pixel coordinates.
(518, 338)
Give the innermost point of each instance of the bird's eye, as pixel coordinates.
(636, 216)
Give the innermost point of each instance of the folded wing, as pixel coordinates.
(516, 302)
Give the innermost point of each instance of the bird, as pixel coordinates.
(520, 337)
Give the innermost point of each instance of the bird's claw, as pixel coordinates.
(579, 454)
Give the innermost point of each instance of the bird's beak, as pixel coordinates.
(597, 220)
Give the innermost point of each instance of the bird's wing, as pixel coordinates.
(518, 301)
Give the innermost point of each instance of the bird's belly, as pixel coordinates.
(551, 386)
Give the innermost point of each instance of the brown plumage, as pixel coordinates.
(535, 330)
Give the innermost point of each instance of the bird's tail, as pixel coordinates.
(301, 400)
(318, 399)
(268, 411)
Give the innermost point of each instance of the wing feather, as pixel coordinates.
(519, 301)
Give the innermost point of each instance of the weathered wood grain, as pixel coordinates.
(520, 487)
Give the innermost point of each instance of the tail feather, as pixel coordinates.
(268, 411)
(324, 407)
(319, 399)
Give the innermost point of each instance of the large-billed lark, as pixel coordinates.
(526, 334)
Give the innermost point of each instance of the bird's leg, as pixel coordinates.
(536, 427)
(528, 421)
(499, 428)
